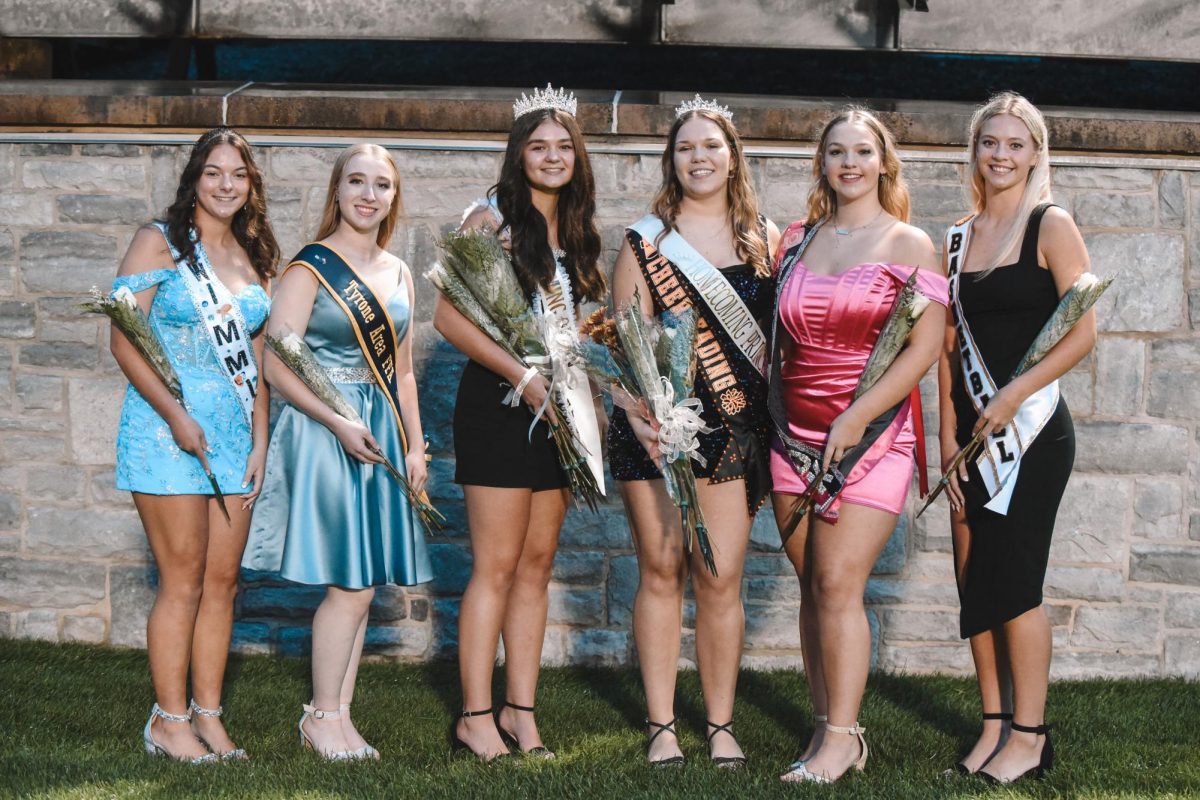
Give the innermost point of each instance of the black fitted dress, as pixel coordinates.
(1008, 553)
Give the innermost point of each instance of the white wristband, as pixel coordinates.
(519, 389)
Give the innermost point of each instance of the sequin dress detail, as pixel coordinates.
(627, 458)
(148, 460)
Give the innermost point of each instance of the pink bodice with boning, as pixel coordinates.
(833, 322)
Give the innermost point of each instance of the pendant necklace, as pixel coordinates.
(847, 231)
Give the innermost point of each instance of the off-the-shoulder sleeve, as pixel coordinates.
(140, 281)
(931, 284)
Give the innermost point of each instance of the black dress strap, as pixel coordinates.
(1030, 242)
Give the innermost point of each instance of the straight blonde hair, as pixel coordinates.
(331, 215)
(1037, 183)
(893, 191)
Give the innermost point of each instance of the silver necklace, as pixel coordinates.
(840, 231)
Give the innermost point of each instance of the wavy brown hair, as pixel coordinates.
(577, 233)
(743, 202)
(331, 214)
(251, 228)
(893, 192)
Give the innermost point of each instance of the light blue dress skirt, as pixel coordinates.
(324, 517)
(148, 460)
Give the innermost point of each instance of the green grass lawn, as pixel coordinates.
(71, 721)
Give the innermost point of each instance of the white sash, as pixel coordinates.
(1000, 461)
(720, 297)
(572, 386)
(222, 319)
(571, 382)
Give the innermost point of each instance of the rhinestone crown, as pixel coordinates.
(550, 98)
(700, 104)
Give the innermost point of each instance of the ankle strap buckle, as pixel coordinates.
(320, 713)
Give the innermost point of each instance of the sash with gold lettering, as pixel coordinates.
(222, 320)
(1000, 461)
(369, 318)
(805, 458)
(736, 393)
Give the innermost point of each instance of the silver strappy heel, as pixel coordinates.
(153, 748)
(237, 754)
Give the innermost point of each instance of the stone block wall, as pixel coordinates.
(1123, 589)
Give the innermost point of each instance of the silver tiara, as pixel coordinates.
(700, 104)
(550, 98)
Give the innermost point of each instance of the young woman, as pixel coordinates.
(704, 247)
(215, 238)
(1009, 263)
(330, 514)
(542, 209)
(839, 274)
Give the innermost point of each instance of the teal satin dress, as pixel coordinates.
(324, 517)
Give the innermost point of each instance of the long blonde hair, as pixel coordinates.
(743, 202)
(1037, 183)
(893, 191)
(331, 215)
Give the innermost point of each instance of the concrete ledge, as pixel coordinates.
(44, 105)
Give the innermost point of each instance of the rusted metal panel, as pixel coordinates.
(491, 20)
(778, 23)
(119, 18)
(1151, 29)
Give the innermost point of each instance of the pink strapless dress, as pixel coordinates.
(833, 321)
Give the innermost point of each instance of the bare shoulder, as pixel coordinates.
(912, 246)
(1058, 227)
(481, 216)
(1061, 248)
(147, 251)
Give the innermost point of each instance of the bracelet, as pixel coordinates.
(519, 389)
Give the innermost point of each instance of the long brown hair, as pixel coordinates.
(251, 228)
(743, 202)
(331, 214)
(893, 192)
(577, 233)
(1037, 182)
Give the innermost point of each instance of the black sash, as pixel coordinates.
(733, 391)
(804, 458)
(368, 317)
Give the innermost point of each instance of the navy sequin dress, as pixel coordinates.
(746, 432)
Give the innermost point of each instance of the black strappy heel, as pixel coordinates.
(669, 727)
(457, 744)
(724, 762)
(511, 740)
(961, 768)
(1045, 763)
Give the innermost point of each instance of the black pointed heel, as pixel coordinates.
(457, 744)
(511, 740)
(961, 768)
(724, 762)
(663, 727)
(1045, 763)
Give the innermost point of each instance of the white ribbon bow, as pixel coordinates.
(680, 425)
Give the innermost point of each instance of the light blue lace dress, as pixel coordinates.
(148, 460)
